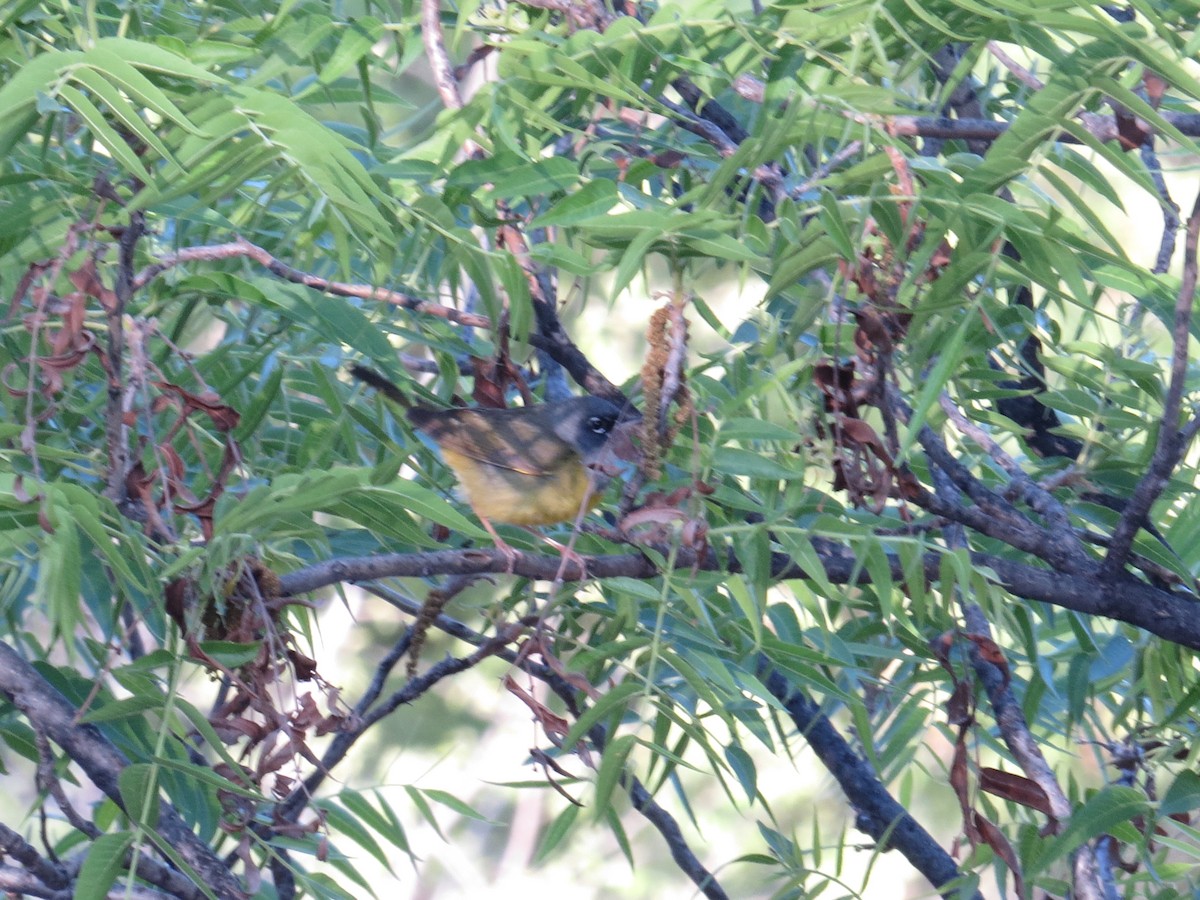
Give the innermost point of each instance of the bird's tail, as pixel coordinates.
(381, 384)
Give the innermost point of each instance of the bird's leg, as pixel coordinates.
(510, 553)
(568, 552)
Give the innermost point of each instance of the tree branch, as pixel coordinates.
(1039, 500)
(551, 338)
(435, 52)
(878, 813)
(1171, 446)
(1014, 729)
(641, 798)
(1170, 209)
(47, 873)
(1169, 615)
(49, 713)
(241, 248)
(1103, 128)
(116, 429)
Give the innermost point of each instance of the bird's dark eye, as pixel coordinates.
(598, 424)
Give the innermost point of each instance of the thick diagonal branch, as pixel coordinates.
(878, 812)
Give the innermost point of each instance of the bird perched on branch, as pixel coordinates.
(531, 465)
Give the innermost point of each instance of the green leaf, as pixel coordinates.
(512, 175)
(230, 653)
(156, 58)
(127, 115)
(125, 708)
(34, 78)
(720, 246)
(337, 317)
(835, 227)
(593, 199)
(612, 768)
(318, 155)
(797, 261)
(139, 793)
(744, 770)
(205, 775)
(613, 820)
(94, 515)
(106, 60)
(554, 835)
(933, 383)
(1103, 811)
(610, 703)
(1182, 796)
(429, 504)
(58, 574)
(740, 428)
(105, 860)
(632, 259)
(201, 724)
(418, 798)
(349, 826)
(289, 494)
(385, 825)
(450, 801)
(117, 146)
(735, 461)
(358, 37)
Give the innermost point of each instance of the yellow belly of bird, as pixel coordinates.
(506, 496)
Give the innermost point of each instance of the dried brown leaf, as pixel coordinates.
(1017, 788)
(1000, 845)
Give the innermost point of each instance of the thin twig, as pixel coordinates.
(337, 750)
(439, 61)
(821, 172)
(1170, 209)
(642, 801)
(992, 515)
(1102, 128)
(1022, 74)
(1041, 501)
(551, 337)
(243, 248)
(1014, 729)
(435, 52)
(726, 146)
(1170, 447)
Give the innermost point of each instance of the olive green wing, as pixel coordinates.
(513, 439)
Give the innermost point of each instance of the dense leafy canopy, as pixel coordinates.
(903, 292)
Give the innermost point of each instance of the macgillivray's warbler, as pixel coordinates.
(531, 465)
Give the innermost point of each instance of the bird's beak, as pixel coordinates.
(620, 447)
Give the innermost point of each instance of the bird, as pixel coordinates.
(526, 466)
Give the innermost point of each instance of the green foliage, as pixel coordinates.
(301, 201)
